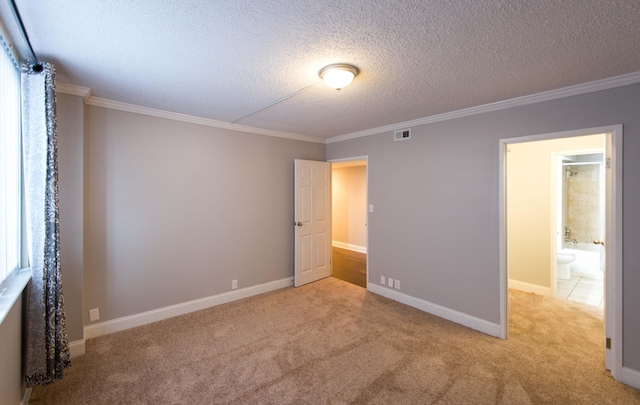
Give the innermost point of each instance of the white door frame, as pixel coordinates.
(366, 159)
(613, 235)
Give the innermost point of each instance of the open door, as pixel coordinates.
(312, 221)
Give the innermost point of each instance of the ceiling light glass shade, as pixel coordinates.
(338, 76)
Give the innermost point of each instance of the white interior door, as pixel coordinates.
(312, 221)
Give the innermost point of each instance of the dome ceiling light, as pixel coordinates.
(336, 76)
(339, 75)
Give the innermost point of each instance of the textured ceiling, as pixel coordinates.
(224, 59)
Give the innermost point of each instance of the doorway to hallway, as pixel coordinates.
(349, 220)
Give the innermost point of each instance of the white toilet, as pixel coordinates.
(563, 259)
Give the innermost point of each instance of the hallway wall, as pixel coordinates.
(349, 205)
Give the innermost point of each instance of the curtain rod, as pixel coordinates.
(37, 66)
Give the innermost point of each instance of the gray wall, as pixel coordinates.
(435, 225)
(175, 211)
(11, 386)
(70, 183)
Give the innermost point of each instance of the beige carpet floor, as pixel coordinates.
(331, 342)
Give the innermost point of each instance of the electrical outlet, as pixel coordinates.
(397, 284)
(383, 281)
(94, 314)
(390, 282)
(234, 284)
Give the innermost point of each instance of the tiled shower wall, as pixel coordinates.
(582, 200)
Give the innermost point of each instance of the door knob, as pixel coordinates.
(598, 242)
(298, 223)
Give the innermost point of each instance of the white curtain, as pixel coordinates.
(47, 347)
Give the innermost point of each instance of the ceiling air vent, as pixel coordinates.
(402, 135)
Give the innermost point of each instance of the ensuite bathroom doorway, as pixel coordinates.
(560, 210)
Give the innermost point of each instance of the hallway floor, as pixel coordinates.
(350, 266)
(583, 290)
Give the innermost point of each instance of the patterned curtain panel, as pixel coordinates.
(47, 347)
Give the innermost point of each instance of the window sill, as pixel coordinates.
(12, 292)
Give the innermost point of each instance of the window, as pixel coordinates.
(10, 161)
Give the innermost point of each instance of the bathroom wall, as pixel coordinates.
(529, 206)
(583, 203)
(349, 204)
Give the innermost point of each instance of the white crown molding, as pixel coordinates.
(89, 99)
(598, 85)
(84, 92)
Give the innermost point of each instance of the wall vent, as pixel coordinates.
(402, 135)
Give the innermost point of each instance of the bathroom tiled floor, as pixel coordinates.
(582, 289)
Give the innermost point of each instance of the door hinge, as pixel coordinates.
(608, 343)
(608, 163)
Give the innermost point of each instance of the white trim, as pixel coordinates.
(469, 321)
(349, 246)
(555, 214)
(530, 288)
(613, 250)
(89, 99)
(598, 85)
(351, 159)
(116, 105)
(12, 292)
(74, 90)
(144, 318)
(26, 397)
(631, 377)
(613, 247)
(502, 234)
(77, 348)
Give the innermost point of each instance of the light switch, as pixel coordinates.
(370, 207)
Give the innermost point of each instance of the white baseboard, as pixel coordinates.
(26, 397)
(132, 321)
(348, 246)
(530, 288)
(77, 348)
(492, 329)
(631, 377)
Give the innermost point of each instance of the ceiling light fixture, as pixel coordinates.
(336, 76)
(339, 75)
